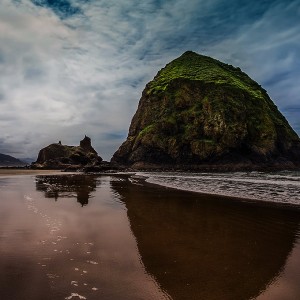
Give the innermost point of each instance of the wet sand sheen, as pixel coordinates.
(206, 247)
(11, 172)
(61, 249)
(77, 236)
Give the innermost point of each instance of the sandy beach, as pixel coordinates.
(12, 171)
(67, 236)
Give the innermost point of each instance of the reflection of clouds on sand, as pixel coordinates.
(53, 224)
(54, 245)
(75, 295)
(74, 282)
(92, 262)
(95, 239)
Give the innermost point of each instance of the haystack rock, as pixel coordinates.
(199, 113)
(59, 156)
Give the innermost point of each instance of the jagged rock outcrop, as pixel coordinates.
(86, 145)
(58, 156)
(199, 113)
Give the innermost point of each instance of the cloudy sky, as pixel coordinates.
(75, 67)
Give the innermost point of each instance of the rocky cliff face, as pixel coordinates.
(58, 156)
(199, 112)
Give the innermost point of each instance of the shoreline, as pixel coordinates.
(142, 180)
(239, 200)
(235, 199)
(142, 167)
(15, 172)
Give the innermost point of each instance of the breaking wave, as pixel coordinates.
(280, 187)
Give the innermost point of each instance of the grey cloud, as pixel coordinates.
(8, 148)
(1, 58)
(64, 76)
(2, 96)
(33, 73)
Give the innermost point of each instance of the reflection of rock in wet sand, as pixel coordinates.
(199, 247)
(66, 186)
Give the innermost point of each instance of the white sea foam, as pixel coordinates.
(281, 187)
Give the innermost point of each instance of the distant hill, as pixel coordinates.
(8, 161)
(28, 160)
(199, 112)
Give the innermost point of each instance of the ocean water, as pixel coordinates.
(277, 187)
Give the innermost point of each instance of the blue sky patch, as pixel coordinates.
(63, 8)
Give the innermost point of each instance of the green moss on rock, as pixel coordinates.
(193, 66)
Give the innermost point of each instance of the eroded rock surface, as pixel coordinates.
(199, 113)
(59, 156)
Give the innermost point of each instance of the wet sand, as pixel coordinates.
(104, 237)
(12, 171)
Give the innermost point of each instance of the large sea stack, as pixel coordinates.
(200, 113)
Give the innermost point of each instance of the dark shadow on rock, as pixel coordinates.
(206, 247)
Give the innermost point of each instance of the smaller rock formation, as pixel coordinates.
(59, 156)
